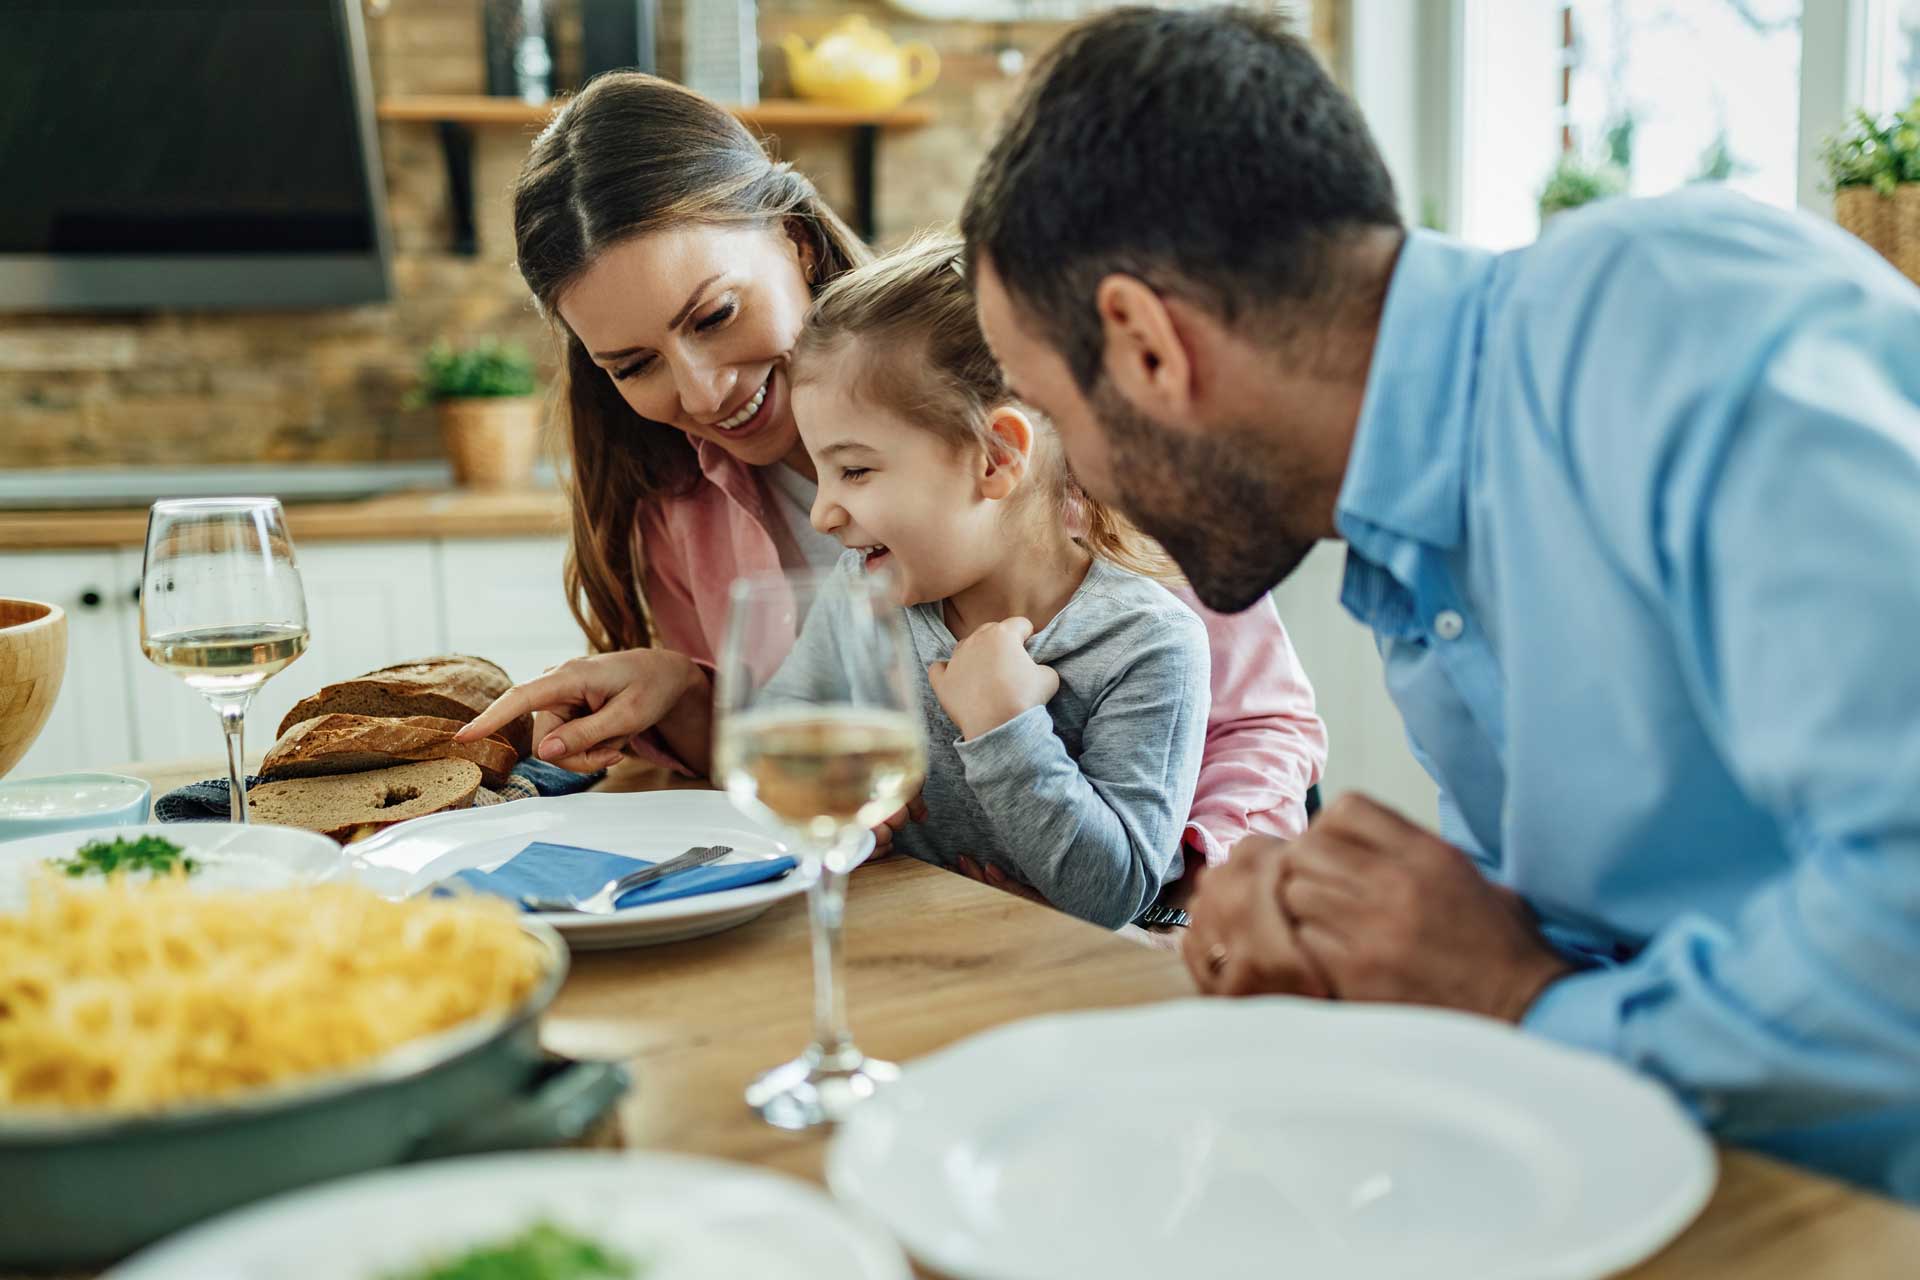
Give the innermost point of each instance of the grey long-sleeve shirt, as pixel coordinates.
(1084, 799)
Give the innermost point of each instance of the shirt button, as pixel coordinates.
(1448, 625)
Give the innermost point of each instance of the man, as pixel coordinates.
(1634, 515)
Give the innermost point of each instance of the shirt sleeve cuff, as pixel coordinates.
(1211, 850)
(1008, 749)
(1582, 1010)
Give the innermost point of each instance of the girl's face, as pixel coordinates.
(694, 326)
(915, 504)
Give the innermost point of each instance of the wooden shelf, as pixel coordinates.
(775, 113)
(456, 116)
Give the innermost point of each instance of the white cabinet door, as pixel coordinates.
(369, 604)
(504, 600)
(92, 725)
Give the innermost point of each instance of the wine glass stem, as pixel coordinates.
(233, 718)
(827, 906)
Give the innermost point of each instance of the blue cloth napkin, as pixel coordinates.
(208, 801)
(564, 871)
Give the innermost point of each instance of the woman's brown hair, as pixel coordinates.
(633, 154)
(928, 363)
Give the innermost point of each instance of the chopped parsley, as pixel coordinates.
(105, 857)
(541, 1252)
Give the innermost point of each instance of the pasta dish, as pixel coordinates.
(135, 996)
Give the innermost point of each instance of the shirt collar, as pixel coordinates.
(734, 478)
(1406, 471)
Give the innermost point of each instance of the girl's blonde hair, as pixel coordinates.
(629, 155)
(927, 362)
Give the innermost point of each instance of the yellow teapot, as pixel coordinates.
(858, 67)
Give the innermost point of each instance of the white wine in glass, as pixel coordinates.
(222, 607)
(818, 728)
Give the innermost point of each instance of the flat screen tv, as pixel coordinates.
(188, 153)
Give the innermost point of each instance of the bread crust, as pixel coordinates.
(456, 687)
(342, 743)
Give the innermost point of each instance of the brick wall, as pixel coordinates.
(182, 389)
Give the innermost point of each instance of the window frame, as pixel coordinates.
(1407, 65)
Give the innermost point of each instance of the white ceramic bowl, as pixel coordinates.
(70, 802)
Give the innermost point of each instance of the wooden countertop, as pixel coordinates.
(435, 513)
(932, 957)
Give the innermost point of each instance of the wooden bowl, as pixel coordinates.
(33, 659)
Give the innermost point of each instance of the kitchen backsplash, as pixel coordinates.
(185, 389)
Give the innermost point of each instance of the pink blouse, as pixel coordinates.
(1265, 745)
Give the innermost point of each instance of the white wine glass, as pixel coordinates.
(221, 606)
(819, 729)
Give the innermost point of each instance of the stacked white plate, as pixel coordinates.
(654, 825)
(229, 857)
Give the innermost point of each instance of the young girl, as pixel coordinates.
(1065, 693)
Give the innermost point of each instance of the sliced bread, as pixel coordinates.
(354, 744)
(456, 687)
(349, 806)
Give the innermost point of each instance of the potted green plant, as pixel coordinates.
(1575, 182)
(489, 417)
(1873, 168)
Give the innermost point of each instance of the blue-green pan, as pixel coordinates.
(80, 1190)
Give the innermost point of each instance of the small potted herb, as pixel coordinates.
(1874, 169)
(1575, 182)
(489, 416)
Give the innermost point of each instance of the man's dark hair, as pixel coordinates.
(1206, 152)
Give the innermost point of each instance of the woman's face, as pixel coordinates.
(694, 326)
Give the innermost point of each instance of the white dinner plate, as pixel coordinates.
(1227, 1138)
(230, 857)
(648, 824)
(683, 1218)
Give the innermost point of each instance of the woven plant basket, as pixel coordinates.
(492, 441)
(1867, 214)
(1906, 236)
(1889, 224)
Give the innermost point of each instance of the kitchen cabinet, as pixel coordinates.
(504, 599)
(369, 604)
(91, 719)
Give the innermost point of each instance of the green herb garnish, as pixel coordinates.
(541, 1252)
(105, 857)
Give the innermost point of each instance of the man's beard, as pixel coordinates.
(1220, 503)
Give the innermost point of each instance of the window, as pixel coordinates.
(1892, 54)
(1648, 95)
(1679, 91)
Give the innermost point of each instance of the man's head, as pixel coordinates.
(1180, 245)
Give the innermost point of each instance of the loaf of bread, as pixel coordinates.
(457, 688)
(352, 806)
(353, 744)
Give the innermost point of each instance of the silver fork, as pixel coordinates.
(601, 902)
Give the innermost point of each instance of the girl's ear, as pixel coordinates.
(1009, 455)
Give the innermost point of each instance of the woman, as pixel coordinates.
(677, 263)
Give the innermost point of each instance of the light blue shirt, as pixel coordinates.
(1634, 514)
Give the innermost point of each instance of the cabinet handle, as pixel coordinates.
(90, 599)
(133, 596)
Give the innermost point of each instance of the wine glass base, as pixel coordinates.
(808, 1094)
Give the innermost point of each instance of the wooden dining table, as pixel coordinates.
(933, 957)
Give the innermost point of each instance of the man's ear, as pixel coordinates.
(1009, 453)
(1145, 351)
